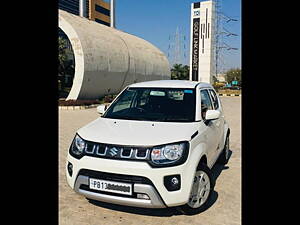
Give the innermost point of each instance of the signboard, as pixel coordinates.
(202, 55)
(195, 49)
(235, 82)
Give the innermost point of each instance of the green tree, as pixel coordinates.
(62, 58)
(65, 65)
(180, 72)
(234, 74)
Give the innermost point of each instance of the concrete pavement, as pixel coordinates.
(225, 207)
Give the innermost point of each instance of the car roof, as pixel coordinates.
(172, 84)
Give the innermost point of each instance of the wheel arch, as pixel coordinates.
(225, 134)
(203, 160)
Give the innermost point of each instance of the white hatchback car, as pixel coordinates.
(154, 147)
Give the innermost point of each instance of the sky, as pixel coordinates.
(157, 20)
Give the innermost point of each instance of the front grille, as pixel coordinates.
(116, 151)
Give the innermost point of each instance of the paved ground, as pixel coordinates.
(225, 207)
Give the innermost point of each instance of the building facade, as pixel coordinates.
(202, 52)
(100, 11)
(95, 10)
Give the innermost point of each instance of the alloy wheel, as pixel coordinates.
(200, 190)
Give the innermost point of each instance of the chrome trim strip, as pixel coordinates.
(137, 157)
(154, 202)
(126, 157)
(101, 154)
(92, 152)
(85, 147)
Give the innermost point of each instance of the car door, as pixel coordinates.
(218, 123)
(211, 132)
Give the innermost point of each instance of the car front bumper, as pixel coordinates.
(159, 196)
(154, 202)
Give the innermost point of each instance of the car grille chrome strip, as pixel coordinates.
(87, 147)
(116, 152)
(126, 157)
(101, 154)
(141, 157)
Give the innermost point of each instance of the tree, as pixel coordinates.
(62, 58)
(234, 74)
(65, 66)
(180, 72)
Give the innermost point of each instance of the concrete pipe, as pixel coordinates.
(106, 59)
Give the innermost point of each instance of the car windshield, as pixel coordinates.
(154, 104)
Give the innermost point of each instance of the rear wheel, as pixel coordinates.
(201, 191)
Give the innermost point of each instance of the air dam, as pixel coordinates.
(107, 60)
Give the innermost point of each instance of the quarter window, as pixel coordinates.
(125, 102)
(205, 103)
(214, 99)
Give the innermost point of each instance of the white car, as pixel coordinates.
(154, 147)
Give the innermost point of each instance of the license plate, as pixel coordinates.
(110, 186)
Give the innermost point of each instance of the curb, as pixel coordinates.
(77, 107)
(230, 95)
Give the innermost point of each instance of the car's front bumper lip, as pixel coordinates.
(154, 202)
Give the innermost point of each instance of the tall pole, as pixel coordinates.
(177, 55)
(82, 8)
(112, 13)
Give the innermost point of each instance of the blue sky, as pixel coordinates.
(156, 20)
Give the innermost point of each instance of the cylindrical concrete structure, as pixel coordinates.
(107, 60)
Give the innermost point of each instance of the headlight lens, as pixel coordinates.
(168, 154)
(78, 146)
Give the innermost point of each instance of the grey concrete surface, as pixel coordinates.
(105, 55)
(225, 206)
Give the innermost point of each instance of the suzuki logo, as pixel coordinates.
(113, 151)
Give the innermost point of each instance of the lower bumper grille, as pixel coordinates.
(115, 177)
(87, 188)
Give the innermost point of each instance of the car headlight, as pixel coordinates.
(77, 147)
(169, 154)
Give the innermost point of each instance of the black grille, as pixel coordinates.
(115, 177)
(87, 188)
(117, 152)
(126, 152)
(141, 153)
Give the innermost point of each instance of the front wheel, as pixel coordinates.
(202, 188)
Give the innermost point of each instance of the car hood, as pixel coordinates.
(140, 133)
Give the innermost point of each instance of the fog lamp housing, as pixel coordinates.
(172, 182)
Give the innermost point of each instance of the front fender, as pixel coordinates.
(197, 151)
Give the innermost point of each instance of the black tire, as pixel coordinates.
(187, 209)
(224, 156)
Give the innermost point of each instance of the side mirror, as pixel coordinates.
(101, 109)
(212, 114)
